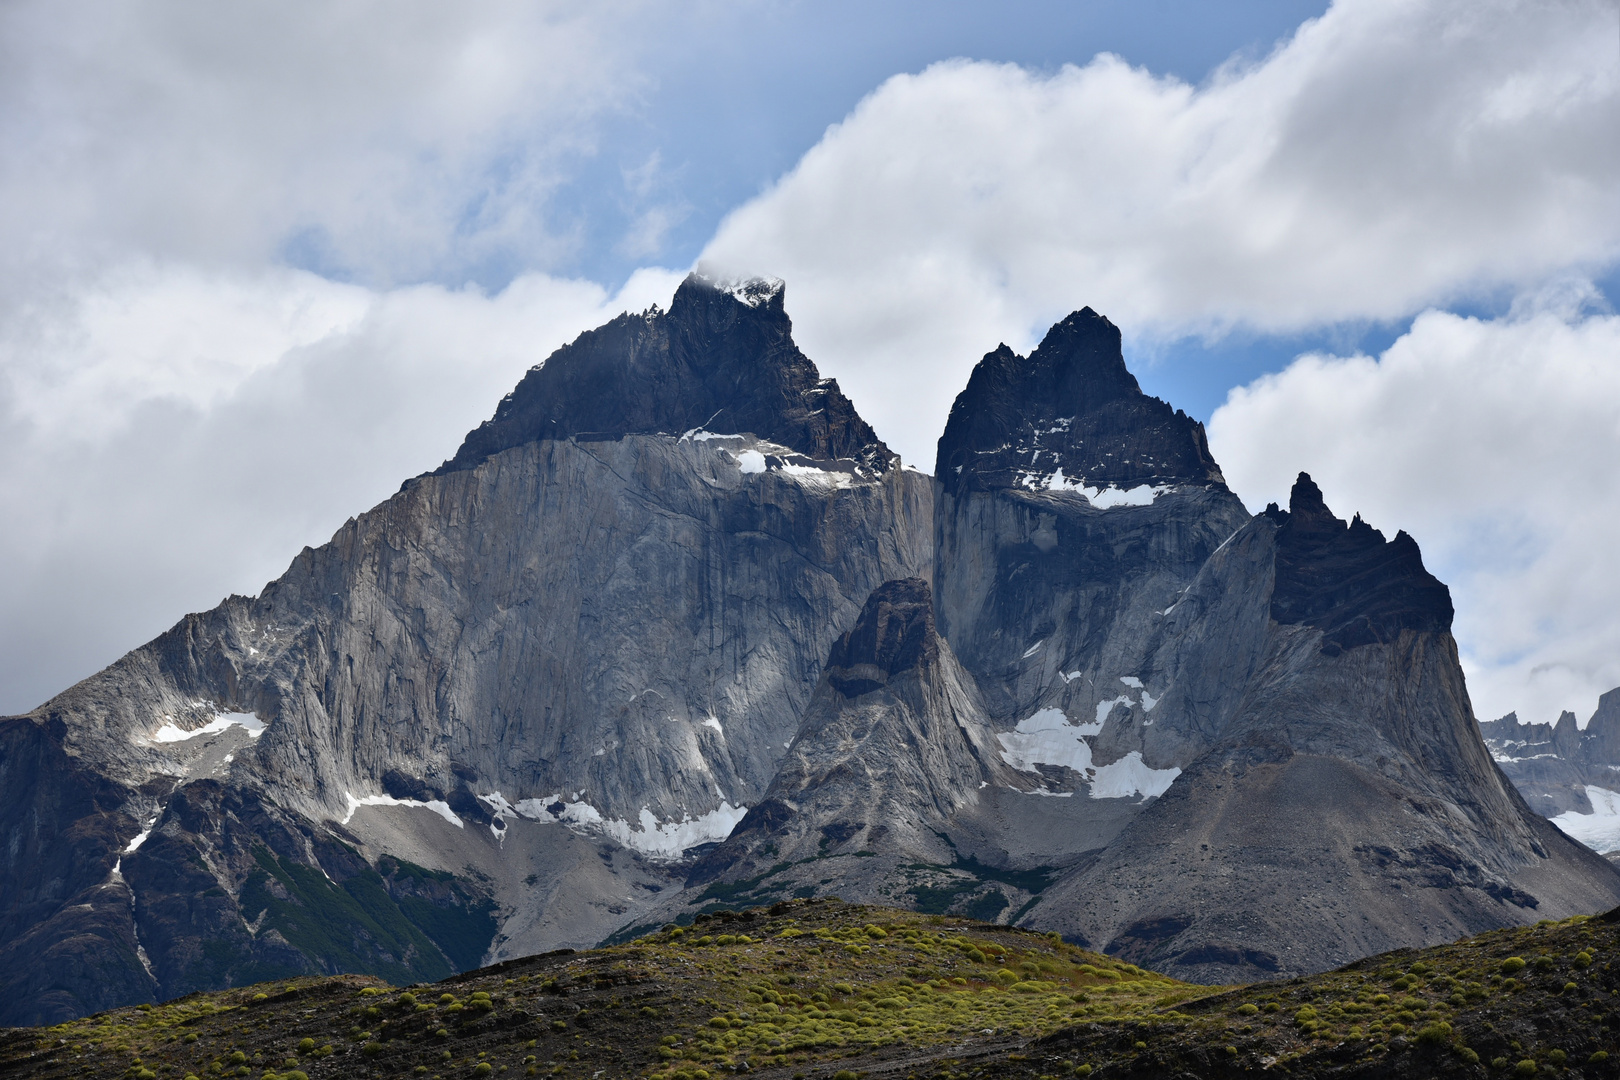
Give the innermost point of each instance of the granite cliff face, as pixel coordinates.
(578, 649)
(675, 630)
(1346, 804)
(1230, 747)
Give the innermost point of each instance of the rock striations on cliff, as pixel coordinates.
(675, 630)
(1231, 747)
(580, 648)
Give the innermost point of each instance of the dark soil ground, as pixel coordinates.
(821, 990)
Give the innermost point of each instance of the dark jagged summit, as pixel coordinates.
(894, 633)
(1070, 408)
(1347, 580)
(722, 359)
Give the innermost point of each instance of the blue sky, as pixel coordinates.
(255, 268)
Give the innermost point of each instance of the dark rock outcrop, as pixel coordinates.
(722, 359)
(893, 747)
(1071, 410)
(1346, 581)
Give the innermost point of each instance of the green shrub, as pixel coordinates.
(1527, 1067)
(846, 1074)
(372, 1049)
(306, 1045)
(407, 999)
(1583, 959)
(1248, 1009)
(1569, 988)
(1083, 1070)
(1435, 1034)
(1557, 1057)
(1467, 1054)
(483, 1068)
(1598, 1058)
(1512, 966)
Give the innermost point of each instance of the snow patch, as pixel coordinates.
(130, 848)
(1148, 701)
(751, 461)
(1068, 677)
(1599, 830)
(647, 835)
(814, 475)
(1029, 652)
(1100, 498)
(714, 722)
(699, 435)
(754, 292)
(1131, 776)
(438, 806)
(1048, 738)
(1131, 681)
(171, 733)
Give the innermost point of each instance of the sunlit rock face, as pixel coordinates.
(535, 677)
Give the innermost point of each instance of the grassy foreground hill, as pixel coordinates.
(822, 990)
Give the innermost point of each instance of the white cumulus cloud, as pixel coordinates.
(184, 436)
(1391, 155)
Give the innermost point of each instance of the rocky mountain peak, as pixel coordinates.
(1070, 415)
(721, 359)
(1346, 580)
(895, 633)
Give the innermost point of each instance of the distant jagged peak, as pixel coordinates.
(1346, 579)
(721, 359)
(1070, 417)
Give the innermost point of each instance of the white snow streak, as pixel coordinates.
(647, 835)
(1100, 498)
(438, 806)
(170, 732)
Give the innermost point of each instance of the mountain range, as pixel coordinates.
(676, 631)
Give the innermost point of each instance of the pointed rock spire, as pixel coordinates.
(1346, 579)
(1070, 412)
